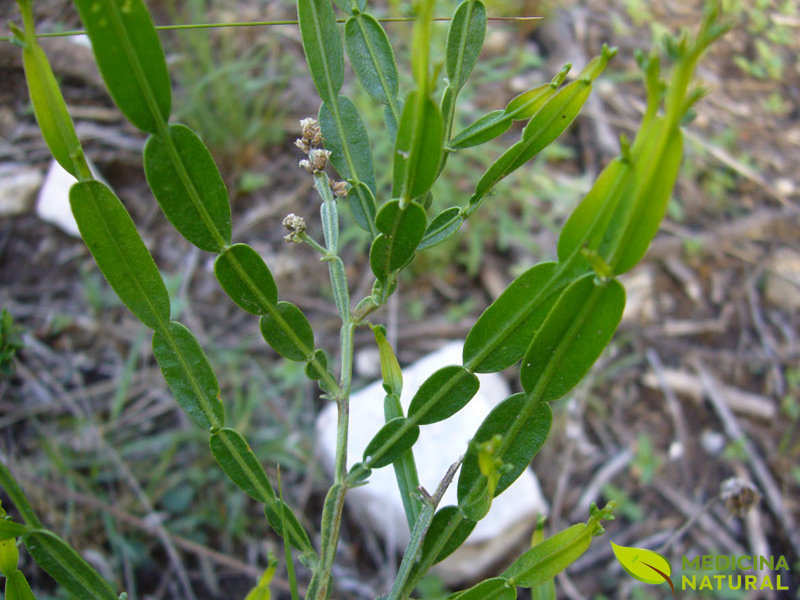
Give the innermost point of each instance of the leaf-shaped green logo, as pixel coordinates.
(643, 564)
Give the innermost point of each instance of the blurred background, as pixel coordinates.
(701, 382)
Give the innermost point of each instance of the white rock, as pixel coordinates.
(782, 286)
(52, 205)
(439, 445)
(18, 185)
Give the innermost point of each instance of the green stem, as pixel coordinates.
(405, 467)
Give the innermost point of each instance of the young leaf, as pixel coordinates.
(108, 231)
(548, 558)
(237, 460)
(447, 532)
(130, 58)
(527, 104)
(279, 513)
(245, 277)
(11, 489)
(186, 182)
(66, 566)
(418, 147)
(443, 394)
(496, 588)
(390, 369)
(505, 329)
(317, 367)
(372, 57)
(388, 444)
(346, 138)
(573, 335)
(17, 587)
(643, 564)
(9, 555)
(443, 225)
(323, 46)
(288, 331)
(488, 127)
(362, 205)
(188, 374)
(10, 529)
(523, 425)
(464, 41)
(654, 183)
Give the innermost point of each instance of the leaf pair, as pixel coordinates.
(401, 229)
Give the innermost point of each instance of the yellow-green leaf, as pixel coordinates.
(643, 564)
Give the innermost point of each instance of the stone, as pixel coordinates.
(513, 513)
(52, 206)
(782, 285)
(18, 185)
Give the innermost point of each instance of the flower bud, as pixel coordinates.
(295, 225)
(319, 159)
(340, 188)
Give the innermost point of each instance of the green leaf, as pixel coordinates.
(390, 368)
(11, 489)
(523, 425)
(66, 566)
(464, 41)
(9, 555)
(187, 184)
(443, 394)
(547, 559)
(544, 591)
(50, 109)
(549, 122)
(317, 367)
(496, 588)
(362, 205)
(527, 104)
(130, 58)
(372, 57)
(17, 587)
(643, 564)
(402, 229)
(10, 529)
(238, 461)
(347, 139)
(488, 127)
(654, 184)
(418, 147)
(588, 225)
(245, 277)
(394, 438)
(449, 529)
(573, 335)
(188, 374)
(108, 231)
(279, 513)
(288, 331)
(503, 332)
(323, 46)
(443, 225)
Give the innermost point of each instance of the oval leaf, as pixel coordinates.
(317, 367)
(402, 230)
(278, 514)
(238, 461)
(108, 231)
(323, 46)
(372, 57)
(548, 558)
(572, 336)
(246, 279)
(418, 147)
(66, 566)
(443, 394)
(643, 564)
(347, 139)
(186, 182)
(496, 588)
(449, 528)
(188, 374)
(503, 332)
(288, 331)
(523, 424)
(464, 41)
(394, 438)
(130, 58)
(49, 107)
(445, 224)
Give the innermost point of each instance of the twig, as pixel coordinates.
(606, 473)
(767, 342)
(768, 485)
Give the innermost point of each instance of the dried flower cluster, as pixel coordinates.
(310, 143)
(296, 226)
